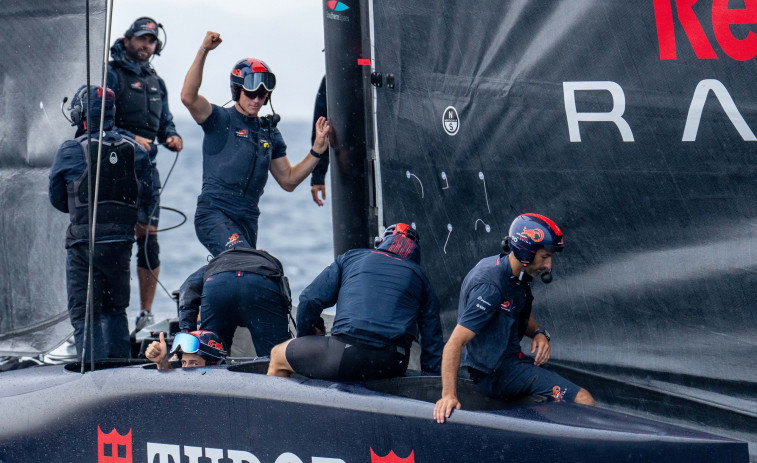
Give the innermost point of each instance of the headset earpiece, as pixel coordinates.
(506, 245)
(130, 33)
(76, 107)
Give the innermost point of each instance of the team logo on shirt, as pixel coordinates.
(481, 299)
(233, 239)
(242, 133)
(506, 306)
(136, 85)
(264, 142)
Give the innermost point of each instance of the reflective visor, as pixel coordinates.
(254, 80)
(188, 343)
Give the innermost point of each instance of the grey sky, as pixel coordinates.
(286, 34)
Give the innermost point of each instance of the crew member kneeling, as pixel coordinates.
(383, 301)
(493, 315)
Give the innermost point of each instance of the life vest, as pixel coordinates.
(139, 103)
(119, 187)
(240, 168)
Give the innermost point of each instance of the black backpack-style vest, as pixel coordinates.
(139, 104)
(119, 187)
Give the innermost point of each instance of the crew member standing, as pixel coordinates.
(238, 150)
(142, 114)
(125, 183)
(494, 313)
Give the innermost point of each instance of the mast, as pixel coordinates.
(347, 40)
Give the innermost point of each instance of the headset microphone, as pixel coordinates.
(546, 277)
(274, 118)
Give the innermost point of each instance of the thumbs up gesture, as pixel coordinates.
(157, 352)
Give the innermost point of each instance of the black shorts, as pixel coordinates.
(334, 358)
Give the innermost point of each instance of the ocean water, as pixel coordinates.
(292, 227)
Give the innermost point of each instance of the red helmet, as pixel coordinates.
(531, 232)
(250, 74)
(402, 229)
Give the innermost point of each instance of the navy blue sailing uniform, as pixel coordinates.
(496, 307)
(240, 287)
(237, 152)
(384, 302)
(125, 183)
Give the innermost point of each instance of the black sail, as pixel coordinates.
(632, 125)
(44, 60)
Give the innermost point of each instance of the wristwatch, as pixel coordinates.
(544, 332)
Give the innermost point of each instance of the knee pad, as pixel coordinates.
(151, 261)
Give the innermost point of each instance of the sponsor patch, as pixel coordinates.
(336, 5)
(136, 85)
(233, 239)
(557, 393)
(242, 133)
(506, 306)
(535, 234)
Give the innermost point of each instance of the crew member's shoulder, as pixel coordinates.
(493, 268)
(69, 145)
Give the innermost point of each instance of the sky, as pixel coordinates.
(286, 34)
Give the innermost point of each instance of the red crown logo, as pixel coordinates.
(112, 441)
(392, 457)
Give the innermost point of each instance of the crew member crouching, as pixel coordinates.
(384, 300)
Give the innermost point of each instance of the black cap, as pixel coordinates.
(143, 26)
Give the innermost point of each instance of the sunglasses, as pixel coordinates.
(259, 93)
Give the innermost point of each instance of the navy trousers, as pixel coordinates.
(232, 299)
(110, 293)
